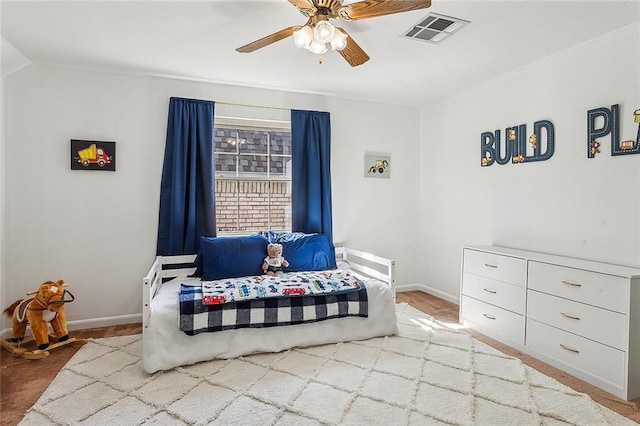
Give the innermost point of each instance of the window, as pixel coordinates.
(253, 175)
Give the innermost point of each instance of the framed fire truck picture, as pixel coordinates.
(93, 155)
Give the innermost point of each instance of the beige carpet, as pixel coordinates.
(429, 374)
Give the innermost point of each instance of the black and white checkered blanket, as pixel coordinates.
(197, 318)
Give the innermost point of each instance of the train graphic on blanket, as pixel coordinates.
(294, 291)
(214, 299)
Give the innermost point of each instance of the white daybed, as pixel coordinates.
(166, 347)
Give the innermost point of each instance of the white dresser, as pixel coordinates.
(580, 316)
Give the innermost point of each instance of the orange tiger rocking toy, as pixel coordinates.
(46, 307)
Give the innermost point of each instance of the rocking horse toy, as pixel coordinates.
(47, 306)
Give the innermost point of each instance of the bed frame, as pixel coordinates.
(168, 267)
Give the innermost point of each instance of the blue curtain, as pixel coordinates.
(187, 209)
(311, 172)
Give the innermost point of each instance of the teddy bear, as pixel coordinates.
(274, 262)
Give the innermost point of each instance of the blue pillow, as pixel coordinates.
(312, 252)
(231, 257)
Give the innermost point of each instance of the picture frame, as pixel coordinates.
(377, 165)
(93, 155)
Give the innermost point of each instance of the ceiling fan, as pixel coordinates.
(318, 34)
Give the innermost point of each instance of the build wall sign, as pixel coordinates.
(516, 145)
(603, 122)
(511, 146)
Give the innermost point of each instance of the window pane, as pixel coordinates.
(253, 164)
(256, 141)
(224, 140)
(226, 206)
(225, 164)
(254, 205)
(280, 205)
(280, 167)
(281, 143)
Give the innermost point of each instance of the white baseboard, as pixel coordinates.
(104, 322)
(429, 290)
(89, 323)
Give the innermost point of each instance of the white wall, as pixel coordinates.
(98, 230)
(11, 60)
(379, 215)
(567, 205)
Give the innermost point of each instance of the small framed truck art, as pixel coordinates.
(93, 155)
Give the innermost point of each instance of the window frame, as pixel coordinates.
(237, 123)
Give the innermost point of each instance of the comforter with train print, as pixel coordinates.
(196, 317)
(306, 283)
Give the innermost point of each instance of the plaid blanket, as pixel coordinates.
(195, 317)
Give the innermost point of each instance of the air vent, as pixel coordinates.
(434, 28)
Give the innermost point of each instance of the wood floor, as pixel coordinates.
(23, 381)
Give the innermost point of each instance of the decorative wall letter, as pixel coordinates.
(487, 152)
(538, 155)
(611, 125)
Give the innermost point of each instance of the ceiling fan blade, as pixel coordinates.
(265, 41)
(302, 4)
(353, 53)
(306, 7)
(373, 8)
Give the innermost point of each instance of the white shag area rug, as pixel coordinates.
(427, 375)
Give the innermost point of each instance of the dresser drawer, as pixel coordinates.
(502, 268)
(493, 320)
(601, 325)
(591, 358)
(606, 291)
(498, 293)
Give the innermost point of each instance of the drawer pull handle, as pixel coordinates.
(571, 284)
(569, 316)
(569, 348)
(489, 316)
(488, 265)
(489, 290)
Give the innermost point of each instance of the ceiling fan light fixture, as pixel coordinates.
(339, 40)
(324, 31)
(302, 37)
(317, 47)
(317, 39)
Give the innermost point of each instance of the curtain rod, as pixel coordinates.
(252, 106)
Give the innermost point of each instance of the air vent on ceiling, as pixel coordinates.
(434, 28)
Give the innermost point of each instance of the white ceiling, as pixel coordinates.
(197, 39)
